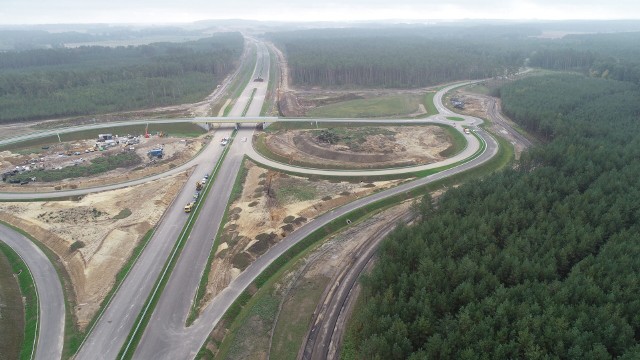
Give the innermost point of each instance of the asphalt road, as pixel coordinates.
(50, 296)
(166, 337)
(169, 317)
(111, 330)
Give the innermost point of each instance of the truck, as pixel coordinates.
(158, 153)
(188, 207)
(198, 186)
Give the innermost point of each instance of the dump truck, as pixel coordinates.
(198, 186)
(188, 207)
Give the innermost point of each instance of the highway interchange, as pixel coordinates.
(165, 336)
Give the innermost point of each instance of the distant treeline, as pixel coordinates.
(422, 56)
(537, 262)
(37, 84)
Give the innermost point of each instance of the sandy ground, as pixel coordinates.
(267, 211)
(108, 239)
(177, 152)
(408, 146)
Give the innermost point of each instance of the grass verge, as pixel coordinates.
(143, 318)
(429, 105)
(30, 296)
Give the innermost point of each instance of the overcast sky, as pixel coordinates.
(167, 11)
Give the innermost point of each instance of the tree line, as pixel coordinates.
(417, 57)
(393, 58)
(37, 84)
(535, 262)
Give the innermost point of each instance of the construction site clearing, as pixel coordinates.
(157, 153)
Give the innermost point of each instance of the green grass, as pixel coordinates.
(123, 214)
(253, 333)
(30, 296)
(294, 319)
(34, 146)
(143, 318)
(458, 142)
(374, 107)
(11, 312)
(274, 74)
(429, 105)
(455, 118)
(295, 192)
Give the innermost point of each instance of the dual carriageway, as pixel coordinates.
(165, 336)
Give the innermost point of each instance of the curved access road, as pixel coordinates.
(473, 145)
(166, 336)
(51, 312)
(172, 340)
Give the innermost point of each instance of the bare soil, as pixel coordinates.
(177, 151)
(109, 236)
(271, 206)
(388, 147)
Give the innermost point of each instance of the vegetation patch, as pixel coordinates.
(541, 245)
(455, 118)
(373, 107)
(11, 312)
(30, 298)
(123, 214)
(98, 166)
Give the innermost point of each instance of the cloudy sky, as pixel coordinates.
(167, 11)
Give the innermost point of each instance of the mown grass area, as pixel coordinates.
(97, 166)
(12, 311)
(429, 105)
(373, 107)
(251, 336)
(177, 130)
(458, 142)
(30, 298)
(455, 118)
(294, 318)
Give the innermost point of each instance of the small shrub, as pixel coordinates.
(289, 219)
(76, 246)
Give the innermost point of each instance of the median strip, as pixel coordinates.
(143, 318)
